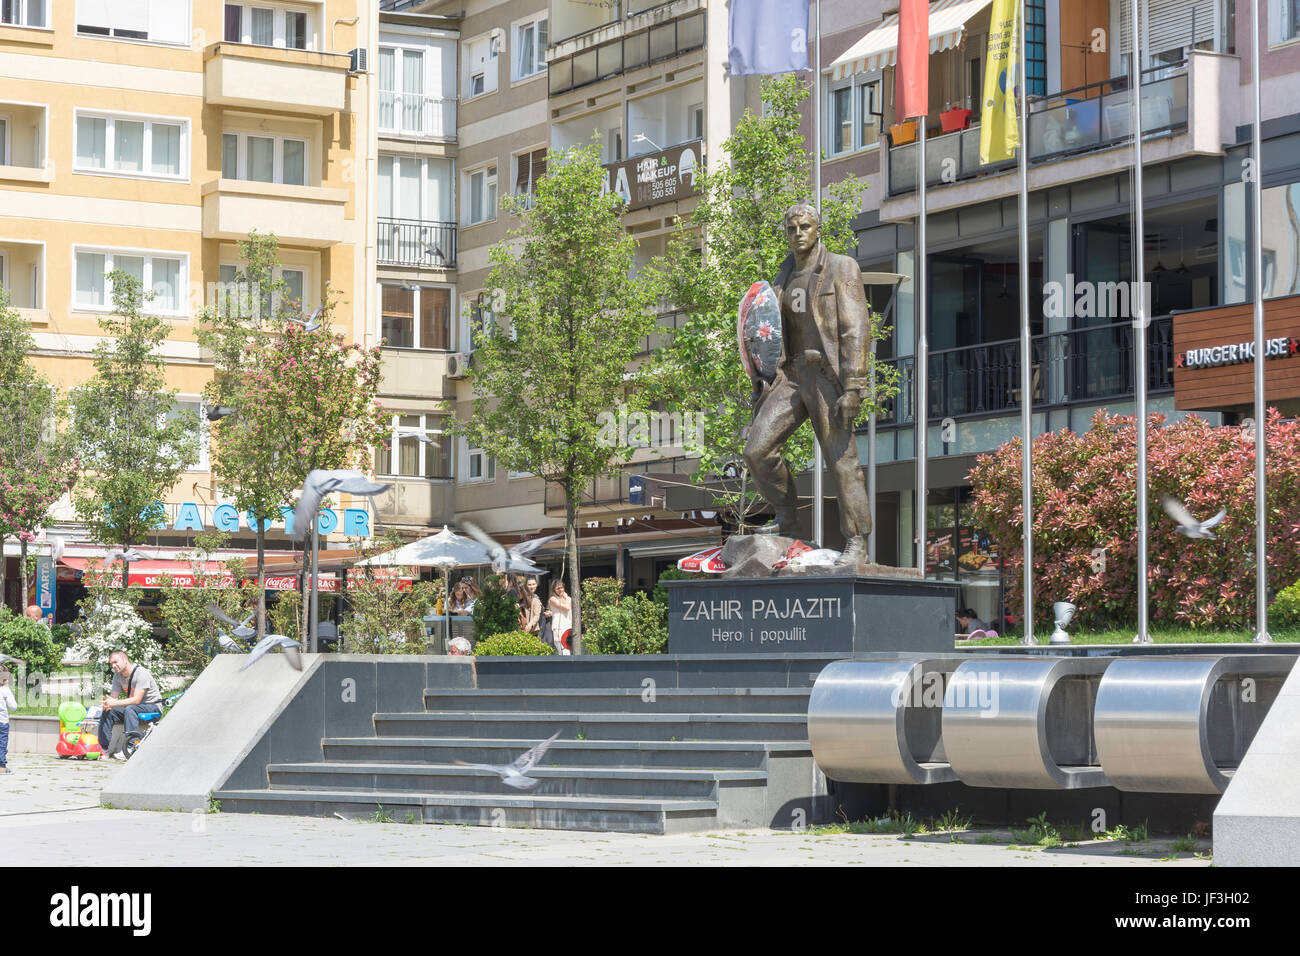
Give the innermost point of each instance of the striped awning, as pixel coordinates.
(879, 48)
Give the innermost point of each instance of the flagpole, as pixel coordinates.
(1026, 341)
(921, 411)
(1261, 514)
(819, 465)
(1139, 328)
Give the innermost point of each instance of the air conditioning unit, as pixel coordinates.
(457, 364)
(360, 60)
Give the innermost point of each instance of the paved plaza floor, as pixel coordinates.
(49, 816)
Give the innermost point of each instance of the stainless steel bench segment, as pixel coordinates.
(858, 721)
(995, 723)
(1153, 724)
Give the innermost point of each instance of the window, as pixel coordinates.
(268, 25)
(264, 159)
(233, 296)
(695, 116)
(132, 146)
(165, 276)
(24, 13)
(481, 64)
(851, 110)
(529, 168)
(530, 48)
(401, 90)
(409, 457)
(416, 187)
(1036, 46)
(161, 21)
(416, 317)
(483, 195)
(478, 466)
(4, 141)
(196, 408)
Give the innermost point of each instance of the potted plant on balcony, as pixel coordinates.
(901, 133)
(955, 119)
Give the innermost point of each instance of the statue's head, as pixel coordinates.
(802, 228)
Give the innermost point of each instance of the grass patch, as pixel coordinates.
(1139, 834)
(381, 815)
(1184, 844)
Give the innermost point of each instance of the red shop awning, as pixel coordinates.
(153, 573)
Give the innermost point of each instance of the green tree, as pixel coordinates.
(132, 444)
(37, 461)
(577, 318)
(302, 400)
(739, 216)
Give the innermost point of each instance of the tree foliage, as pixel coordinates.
(132, 444)
(577, 317)
(38, 463)
(739, 216)
(1085, 498)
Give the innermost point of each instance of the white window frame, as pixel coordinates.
(491, 66)
(856, 112)
(518, 70)
(310, 300)
(491, 183)
(109, 254)
(277, 160)
(110, 135)
(278, 30)
(428, 421)
(525, 156)
(24, 14)
(6, 145)
(200, 409)
(415, 316)
(487, 465)
(1283, 22)
(425, 213)
(145, 39)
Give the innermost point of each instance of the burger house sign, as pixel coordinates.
(1236, 353)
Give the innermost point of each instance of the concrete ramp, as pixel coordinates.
(1257, 823)
(202, 740)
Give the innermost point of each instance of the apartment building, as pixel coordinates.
(1196, 107)
(150, 136)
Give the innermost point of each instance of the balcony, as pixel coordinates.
(418, 243)
(423, 502)
(22, 143)
(617, 491)
(660, 33)
(22, 269)
(298, 215)
(1075, 367)
(415, 373)
(258, 77)
(1186, 110)
(415, 116)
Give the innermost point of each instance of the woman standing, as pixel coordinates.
(530, 608)
(463, 596)
(561, 608)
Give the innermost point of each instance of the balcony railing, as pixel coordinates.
(417, 116)
(1075, 367)
(422, 243)
(1096, 116)
(662, 41)
(615, 491)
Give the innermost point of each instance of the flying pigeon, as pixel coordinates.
(516, 774)
(5, 659)
(311, 324)
(216, 412)
(418, 436)
(239, 628)
(115, 554)
(1186, 523)
(517, 559)
(57, 545)
(228, 643)
(291, 650)
(322, 482)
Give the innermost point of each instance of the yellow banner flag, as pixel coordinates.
(999, 131)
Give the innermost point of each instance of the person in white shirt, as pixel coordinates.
(8, 704)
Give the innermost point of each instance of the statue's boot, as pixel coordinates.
(785, 524)
(855, 551)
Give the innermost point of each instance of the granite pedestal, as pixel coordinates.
(816, 613)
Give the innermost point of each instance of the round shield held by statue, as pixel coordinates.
(758, 327)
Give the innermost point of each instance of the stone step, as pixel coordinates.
(684, 754)
(594, 726)
(630, 670)
(708, 700)
(607, 814)
(554, 781)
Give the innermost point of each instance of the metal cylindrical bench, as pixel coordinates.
(881, 721)
(1024, 723)
(1182, 725)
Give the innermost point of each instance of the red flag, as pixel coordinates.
(912, 78)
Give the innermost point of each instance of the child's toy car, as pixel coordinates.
(77, 734)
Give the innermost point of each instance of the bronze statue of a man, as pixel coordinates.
(822, 376)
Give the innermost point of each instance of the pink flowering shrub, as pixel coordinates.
(1085, 495)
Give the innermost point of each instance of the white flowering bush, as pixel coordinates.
(112, 626)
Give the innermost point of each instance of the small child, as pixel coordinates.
(8, 703)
